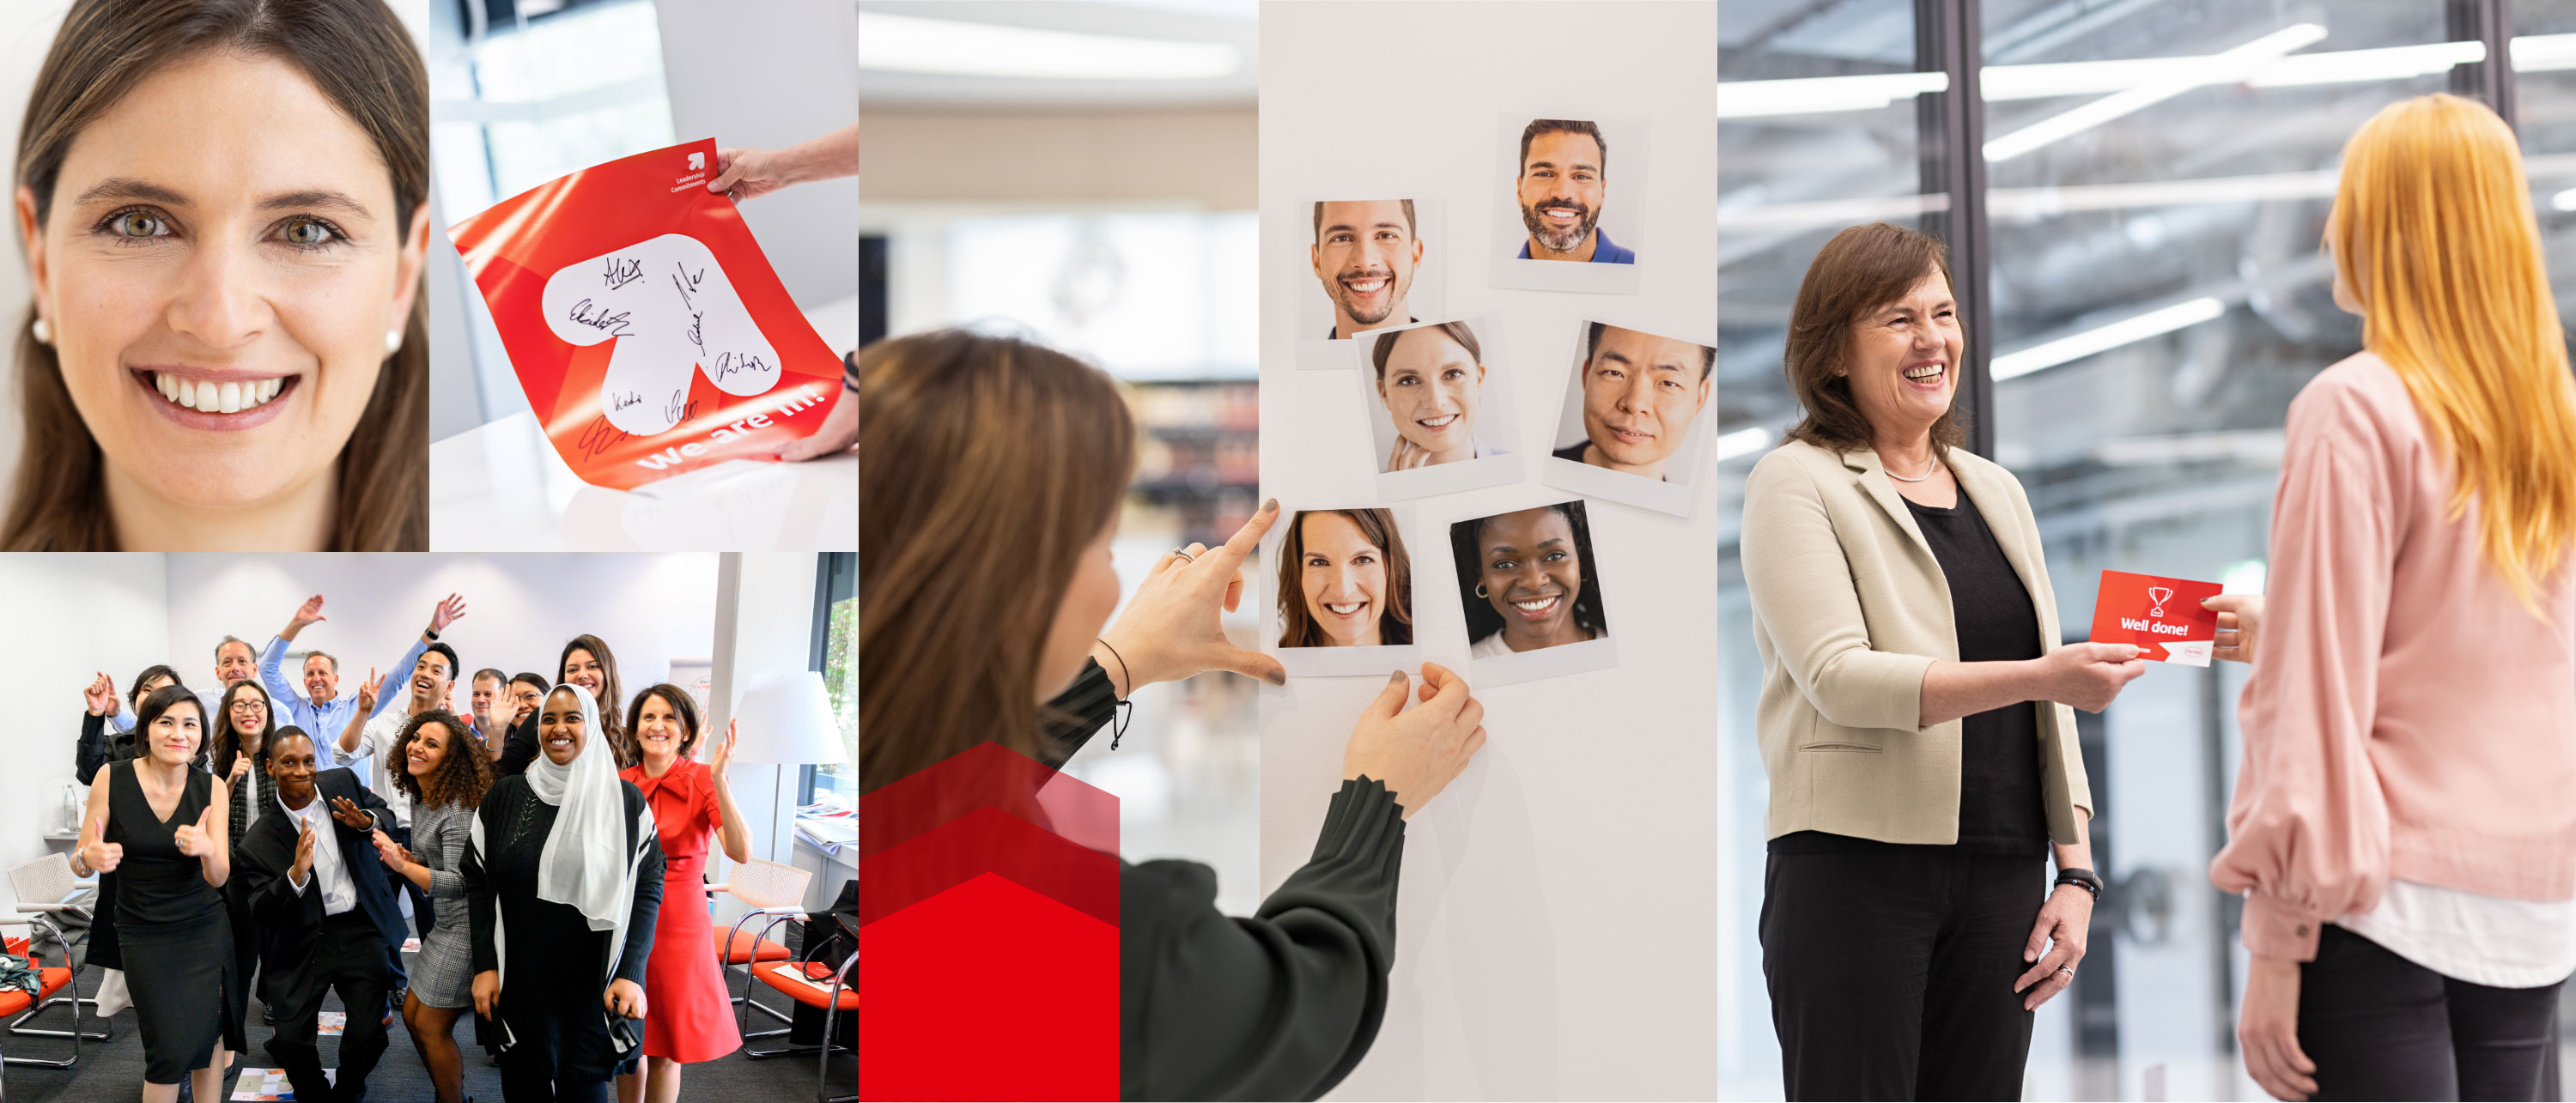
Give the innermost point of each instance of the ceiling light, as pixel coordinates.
(2543, 53)
(1746, 99)
(2238, 64)
(1742, 442)
(2563, 201)
(2105, 338)
(910, 44)
(2352, 66)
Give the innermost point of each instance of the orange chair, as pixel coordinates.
(49, 878)
(774, 894)
(803, 982)
(17, 1005)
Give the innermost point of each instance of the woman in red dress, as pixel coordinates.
(690, 1017)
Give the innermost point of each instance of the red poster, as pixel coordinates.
(2161, 615)
(647, 328)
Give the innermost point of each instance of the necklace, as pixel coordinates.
(1891, 472)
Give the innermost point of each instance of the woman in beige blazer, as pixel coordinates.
(1914, 717)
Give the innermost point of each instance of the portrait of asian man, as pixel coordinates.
(1640, 395)
(1366, 252)
(1562, 185)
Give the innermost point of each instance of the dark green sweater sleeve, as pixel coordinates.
(1281, 1005)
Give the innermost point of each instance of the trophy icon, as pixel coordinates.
(2161, 594)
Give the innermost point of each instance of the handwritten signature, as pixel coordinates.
(686, 282)
(598, 437)
(728, 363)
(622, 271)
(595, 316)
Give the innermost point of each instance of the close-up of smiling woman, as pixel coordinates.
(1431, 382)
(1345, 581)
(1527, 580)
(223, 206)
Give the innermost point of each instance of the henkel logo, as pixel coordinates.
(697, 162)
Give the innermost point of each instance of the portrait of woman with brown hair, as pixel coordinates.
(1345, 580)
(223, 205)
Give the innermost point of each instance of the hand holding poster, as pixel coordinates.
(2162, 616)
(649, 332)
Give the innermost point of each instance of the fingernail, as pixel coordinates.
(1396, 678)
(1270, 506)
(1278, 677)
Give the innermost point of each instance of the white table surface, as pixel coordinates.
(501, 487)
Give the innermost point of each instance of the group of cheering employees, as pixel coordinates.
(2401, 831)
(258, 837)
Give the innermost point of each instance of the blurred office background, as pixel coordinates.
(2134, 198)
(1082, 174)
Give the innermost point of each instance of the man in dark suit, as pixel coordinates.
(328, 919)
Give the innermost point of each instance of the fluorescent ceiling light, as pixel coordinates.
(910, 44)
(1745, 99)
(2241, 63)
(2563, 201)
(2543, 53)
(1742, 442)
(2354, 66)
(2105, 338)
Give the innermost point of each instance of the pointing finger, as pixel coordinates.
(1231, 554)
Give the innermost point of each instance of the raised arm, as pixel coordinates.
(355, 731)
(731, 831)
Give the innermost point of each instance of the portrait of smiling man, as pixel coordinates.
(1561, 187)
(1639, 394)
(1366, 253)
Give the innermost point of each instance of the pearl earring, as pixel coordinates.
(393, 341)
(44, 333)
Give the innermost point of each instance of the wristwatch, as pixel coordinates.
(2081, 878)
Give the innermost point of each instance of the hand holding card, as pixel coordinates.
(2162, 616)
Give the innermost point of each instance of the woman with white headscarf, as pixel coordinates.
(566, 865)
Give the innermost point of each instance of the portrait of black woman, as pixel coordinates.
(1526, 580)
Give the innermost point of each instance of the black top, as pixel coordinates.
(1280, 1005)
(156, 883)
(1573, 452)
(553, 1018)
(518, 748)
(98, 748)
(2000, 811)
(290, 921)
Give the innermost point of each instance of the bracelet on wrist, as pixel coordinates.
(2084, 879)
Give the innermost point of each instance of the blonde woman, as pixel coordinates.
(2401, 828)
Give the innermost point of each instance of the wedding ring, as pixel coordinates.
(1184, 553)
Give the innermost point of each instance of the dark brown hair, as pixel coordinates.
(460, 778)
(1457, 331)
(1298, 627)
(1466, 548)
(987, 465)
(1862, 269)
(618, 740)
(680, 703)
(1585, 127)
(222, 743)
(362, 60)
(1409, 230)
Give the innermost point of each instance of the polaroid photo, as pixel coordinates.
(1570, 215)
(1363, 264)
(1634, 424)
(1438, 397)
(1529, 589)
(1338, 593)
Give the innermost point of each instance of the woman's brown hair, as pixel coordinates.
(681, 705)
(359, 56)
(1377, 526)
(1860, 270)
(620, 740)
(986, 466)
(461, 777)
(223, 744)
(1457, 331)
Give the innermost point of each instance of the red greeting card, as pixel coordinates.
(2161, 615)
(649, 332)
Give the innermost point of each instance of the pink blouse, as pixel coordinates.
(2407, 717)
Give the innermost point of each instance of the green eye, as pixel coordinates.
(135, 224)
(308, 233)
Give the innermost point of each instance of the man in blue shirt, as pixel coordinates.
(1563, 180)
(320, 708)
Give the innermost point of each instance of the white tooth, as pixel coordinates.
(187, 394)
(274, 386)
(230, 397)
(253, 394)
(168, 387)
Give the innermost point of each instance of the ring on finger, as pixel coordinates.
(1184, 553)
(2069, 970)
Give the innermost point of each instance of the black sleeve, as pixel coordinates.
(1278, 1006)
(518, 749)
(1078, 713)
(647, 908)
(480, 906)
(270, 895)
(92, 751)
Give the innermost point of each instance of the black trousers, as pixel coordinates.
(1891, 974)
(2382, 1027)
(350, 959)
(520, 1086)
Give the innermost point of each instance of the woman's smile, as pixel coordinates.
(1538, 608)
(220, 401)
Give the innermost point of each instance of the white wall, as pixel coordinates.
(1557, 930)
(765, 76)
(72, 616)
(764, 624)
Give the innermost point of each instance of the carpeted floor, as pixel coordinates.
(113, 1069)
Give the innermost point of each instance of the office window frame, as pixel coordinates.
(836, 579)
